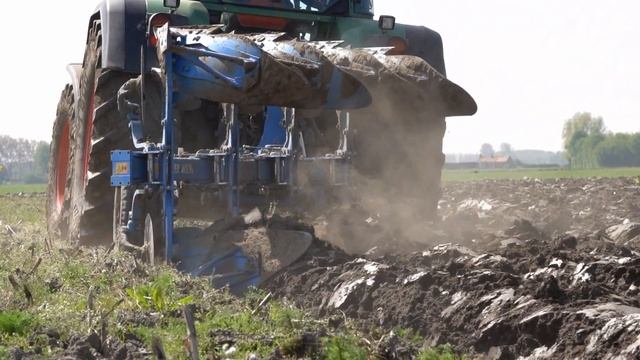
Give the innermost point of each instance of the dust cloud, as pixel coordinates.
(396, 178)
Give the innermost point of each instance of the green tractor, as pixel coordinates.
(311, 80)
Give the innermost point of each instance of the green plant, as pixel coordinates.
(443, 352)
(343, 348)
(158, 295)
(240, 321)
(409, 335)
(15, 322)
(284, 316)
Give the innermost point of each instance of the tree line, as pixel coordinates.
(588, 144)
(23, 160)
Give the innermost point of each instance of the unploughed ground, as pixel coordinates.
(58, 301)
(532, 269)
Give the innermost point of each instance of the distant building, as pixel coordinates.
(496, 162)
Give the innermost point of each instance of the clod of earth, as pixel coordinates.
(533, 269)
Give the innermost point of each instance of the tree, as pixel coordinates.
(486, 150)
(506, 149)
(618, 150)
(584, 122)
(41, 159)
(584, 155)
(16, 150)
(581, 134)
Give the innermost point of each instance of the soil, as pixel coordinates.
(516, 269)
(92, 346)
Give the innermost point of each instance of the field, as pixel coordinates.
(447, 176)
(518, 174)
(21, 188)
(532, 268)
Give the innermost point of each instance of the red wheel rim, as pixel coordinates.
(88, 134)
(62, 164)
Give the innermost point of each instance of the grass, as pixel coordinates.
(22, 188)
(17, 210)
(344, 348)
(15, 322)
(444, 352)
(518, 174)
(70, 290)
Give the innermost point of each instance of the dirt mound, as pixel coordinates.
(546, 270)
(83, 347)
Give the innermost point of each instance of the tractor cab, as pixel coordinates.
(290, 16)
(325, 7)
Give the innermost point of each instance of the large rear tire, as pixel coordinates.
(59, 186)
(98, 130)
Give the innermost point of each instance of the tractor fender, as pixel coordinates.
(426, 44)
(124, 27)
(123, 24)
(422, 42)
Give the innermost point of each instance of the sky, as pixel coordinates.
(530, 64)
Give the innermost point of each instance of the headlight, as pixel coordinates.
(387, 22)
(173, 4)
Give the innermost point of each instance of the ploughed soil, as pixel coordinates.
(515, 269)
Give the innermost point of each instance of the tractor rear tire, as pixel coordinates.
(59, 186)
(98, 129)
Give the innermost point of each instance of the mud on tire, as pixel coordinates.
(60, 171)
(98, 129)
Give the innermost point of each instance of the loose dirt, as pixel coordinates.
(516, 269)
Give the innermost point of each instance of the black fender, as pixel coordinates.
(426, 44)
(123, 33)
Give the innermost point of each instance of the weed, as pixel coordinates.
(16, 322)
(443, 352)
(239, 321)
(170, 330)
(284, 316)
(159, 295)
(343, 348)
(409, 335)
(75, 272)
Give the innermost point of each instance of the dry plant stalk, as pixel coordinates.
(192, 337)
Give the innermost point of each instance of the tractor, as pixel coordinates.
(229, 109)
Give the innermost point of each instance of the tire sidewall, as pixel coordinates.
(58, 215)
(88, 78)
